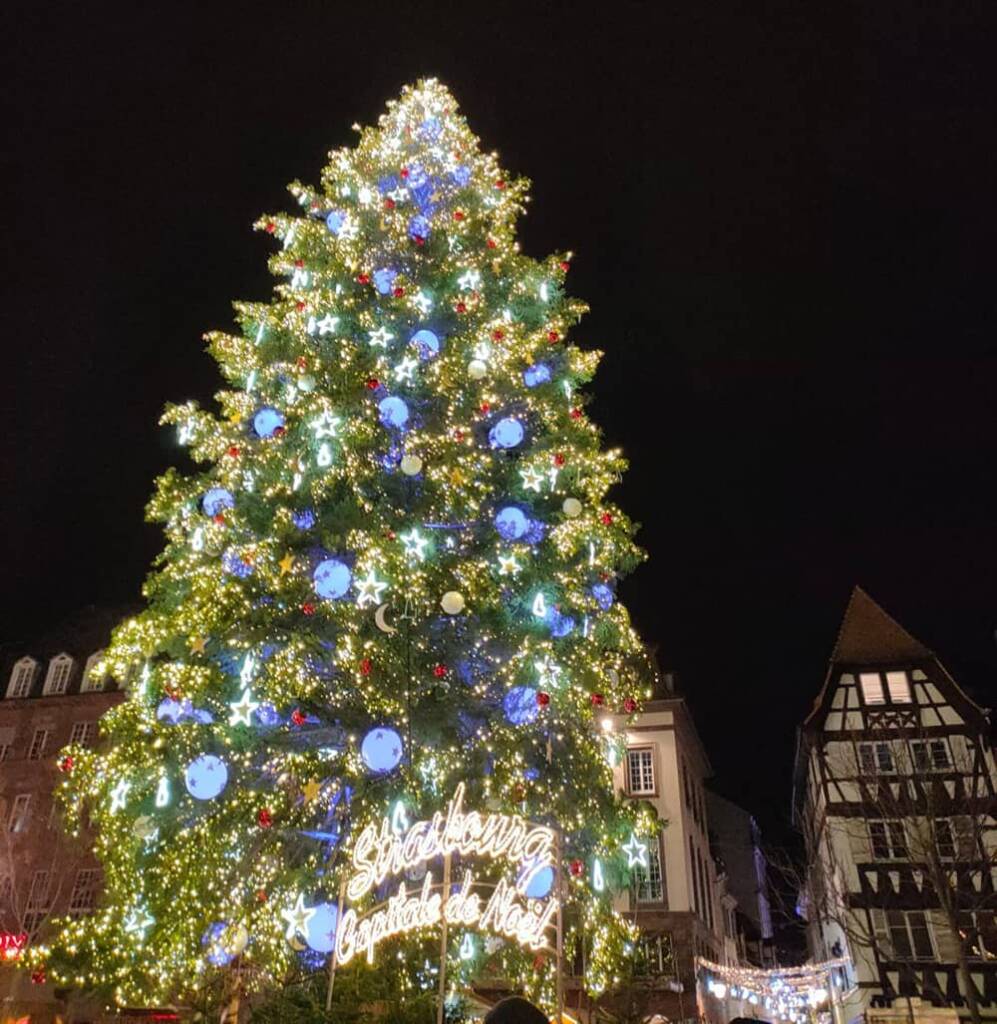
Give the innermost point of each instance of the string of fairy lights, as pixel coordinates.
(394, 572)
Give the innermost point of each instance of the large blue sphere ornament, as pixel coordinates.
(511, 523)
(381, 750)
(418, 227)
(560, 625)
(335, 220)
(303, 520)
(206, 777)
(520, 705)
(266, 421)
(534, 376)
(216, 501)
(384, 279)
(506, 433)
(461, 175)
(332, 579)
(427, 343)
(214, 940)
(393, 411)
(321, 931)
(603, 594)
(169, 710)
(540, 882)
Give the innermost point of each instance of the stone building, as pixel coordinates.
(895, 794)
(49, 697)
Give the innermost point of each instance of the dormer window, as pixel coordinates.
(884, 687)
(57, 680)
(91, 683)
(21, 678)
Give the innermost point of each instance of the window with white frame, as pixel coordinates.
(21, 678)
(19, 811)
(57, 680)
(83, 897)
(91, 683)
(945, 839)
(872, 688)
(898, 687)
(83, 733)
(888, 840)
(640, 771)
(38, 743)
(903, 934)
(654, 956)
(38, 894)
(650, 885)
(876, 759)
(930, 755)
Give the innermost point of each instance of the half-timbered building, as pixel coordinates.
(895, 794)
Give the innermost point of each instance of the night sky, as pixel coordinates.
(784, 221)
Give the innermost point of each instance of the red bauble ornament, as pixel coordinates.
(606, 518)
(491, 243)
(485, 407)
(38, 977)
(299, 263)
(630, 705)
(418, 239)
(297, 716)
(576, 414)
(261, 895)
(565, 265)
(299, 306)
(577, 868)
(389, 204)
(372, 383)
(398, 293)
(302, 363)
(264, 818)
(500, 183)
(365, 667)
(390, 534)
(498, 334)
(461, 307)
(440, 671)
(458, 215)
(553, 336)
(271, 227)
(66, 764)
(363, 278)
(308, 608)
(597, 700)
(219, 519)
(279, 431)
(559, 459)
(233, 450)
(458, 435)
(404, 172)
(543, 699)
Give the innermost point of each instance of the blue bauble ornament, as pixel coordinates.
(417, 177)
(384, 279)
(393, 412)
(217, 953)
(321, 931)
(429, 130)
(303, 520)
(335, 220)
(507, 433)
(603, 595)
(332, 579)
(535, 375)
(169, 710)
(206, 777)
(267, 715)
(381, 750)
(461, 175)
(560, 625)
(535, 532)
(520, 705)
(511, 523)
(216, 500)
(233, 564)
(267, 420)
(418, 227)
(540, 882)
(427, 343)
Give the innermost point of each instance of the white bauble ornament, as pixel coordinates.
(306, 382)
(572, 508)
(612, 675)
(144, 826)
(234, 942)
(476, 369)
(411, 464)
(452, 602)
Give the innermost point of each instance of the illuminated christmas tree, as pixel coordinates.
(389, 593)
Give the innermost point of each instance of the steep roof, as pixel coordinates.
(868, 636)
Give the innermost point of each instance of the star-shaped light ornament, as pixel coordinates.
(198, 644)
(242, 711)
(636, 852)
(532, 479)
(138, 922)
(326, 425)
(469, 280)
(349, 229)
(327, 325)
(286, 564)
(422, 302)
(310, 790)
(119, 795)
(370, 590)
(405, 369)
(415, 544)
(297, 918)
(399, 195)
(380, 338)
(508, 566)
(548, 672)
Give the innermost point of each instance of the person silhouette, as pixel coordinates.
(515, 1010)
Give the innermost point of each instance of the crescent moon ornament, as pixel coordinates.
(380, 622)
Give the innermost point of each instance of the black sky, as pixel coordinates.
(783, 215)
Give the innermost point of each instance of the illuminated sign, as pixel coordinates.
(12, 944)
(383, 853)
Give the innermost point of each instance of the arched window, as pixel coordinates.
(90, 682)
(21, 678)
(59, 670)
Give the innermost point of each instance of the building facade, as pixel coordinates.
(895, 794)
(50, 696)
